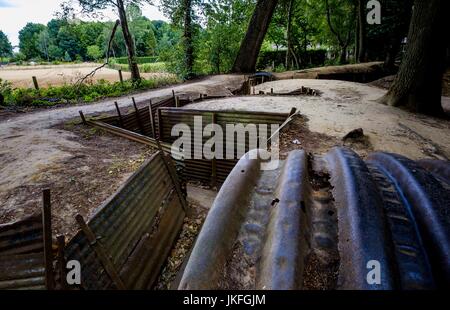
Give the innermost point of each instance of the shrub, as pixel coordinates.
(71, 94)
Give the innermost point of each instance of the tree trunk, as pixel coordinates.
(251, 45)
(393, 50)
(188, 41)
(362, 48)
(418, 83)
(132, 62)
(343, 44)
(343, 56)
(288, 35)
(397, 34)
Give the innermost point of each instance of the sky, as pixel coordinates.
(15, 14)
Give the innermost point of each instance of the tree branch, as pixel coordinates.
(92, 73)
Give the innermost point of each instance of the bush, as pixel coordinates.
(71, 94)
(140, 60)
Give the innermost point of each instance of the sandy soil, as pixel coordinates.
(344, 106)
(21, 76)
(39, 150)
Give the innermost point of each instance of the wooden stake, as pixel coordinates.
(119, 114)
(48, 251)
(35, 82)
(101, 253)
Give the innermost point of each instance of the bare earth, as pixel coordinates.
(49, 75)
(344, 106)
(47, 148)
(81, 166)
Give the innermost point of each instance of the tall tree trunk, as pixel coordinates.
(362, 37)
(418, 83)
(251, 45)
(343, 44)
(188, 41)
(397, 34)
(289, 35)
(343, 55)
(132, 62)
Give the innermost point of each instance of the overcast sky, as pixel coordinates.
(15, 14)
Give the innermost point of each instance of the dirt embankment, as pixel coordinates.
(362, 72)
(341, 108)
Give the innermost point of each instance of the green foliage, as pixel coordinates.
(156, 67)
(5, 46)
(140, 60)
(94, 52)
(29, 37)
(70, 93)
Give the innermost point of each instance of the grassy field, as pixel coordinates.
(58, 75)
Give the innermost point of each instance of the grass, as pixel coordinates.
(156, 67)
(69, 93)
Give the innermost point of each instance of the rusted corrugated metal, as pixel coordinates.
(323, 222)
(136, 227)
(22, 264)
(214, 171)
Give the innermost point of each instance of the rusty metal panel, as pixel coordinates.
(321, 222)
(22, 264)
(124, 221)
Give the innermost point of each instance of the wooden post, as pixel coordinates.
(61, 242)
(141, 127)
(213, 161)
(177, 102)
(35, 82)
(152, 119)
(271, 91)
(48, 251)
(120, 76)
(101, 253)
(160, 127)
(119, 114)
(173, 94)
(173, 175)
(83, 118)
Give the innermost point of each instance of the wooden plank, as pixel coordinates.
(101, 253)
(138, 119)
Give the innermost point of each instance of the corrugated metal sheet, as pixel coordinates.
(22, 264)
(127, 227)
(192, 169)
(322, 223)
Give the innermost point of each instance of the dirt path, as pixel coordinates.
(30, 146)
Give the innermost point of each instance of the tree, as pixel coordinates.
(6, 49)
(418, 84)
(28, 40)
(43, 43)
(94, 52)
(343, 28)
(91, 6)
(362, 34)
(251, 45)
(181, 12)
